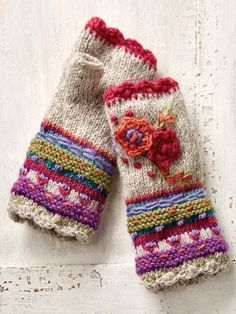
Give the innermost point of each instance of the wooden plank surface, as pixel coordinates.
(104, 289)
(195, 43)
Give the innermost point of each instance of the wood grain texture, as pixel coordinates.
(195, 43)
(104, 289)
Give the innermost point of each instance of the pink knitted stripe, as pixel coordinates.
(128, 90)
(112, 36)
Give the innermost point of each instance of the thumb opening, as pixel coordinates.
(81, 76)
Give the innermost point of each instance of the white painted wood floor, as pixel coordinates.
(195, 42)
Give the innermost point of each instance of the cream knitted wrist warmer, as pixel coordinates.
(170, 219)
(66, 176)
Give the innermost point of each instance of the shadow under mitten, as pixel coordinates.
(170, 219)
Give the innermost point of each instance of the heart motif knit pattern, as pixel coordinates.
(170, 219)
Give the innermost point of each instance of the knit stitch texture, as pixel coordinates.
(66, 176)
(170, 219)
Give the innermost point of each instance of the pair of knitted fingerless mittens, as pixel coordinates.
(145, 129)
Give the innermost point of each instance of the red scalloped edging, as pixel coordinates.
(128, 90)
(113, 36)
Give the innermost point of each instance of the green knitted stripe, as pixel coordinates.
(70, 162)
(168, 215)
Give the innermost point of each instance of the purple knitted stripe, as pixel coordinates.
(79, 150)
(175, 256)
(165, 201)
(56, 205)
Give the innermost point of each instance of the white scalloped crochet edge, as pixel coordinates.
(188, 273)
(22, 209)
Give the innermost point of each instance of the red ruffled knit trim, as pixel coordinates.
(128, 90)
(113, 36)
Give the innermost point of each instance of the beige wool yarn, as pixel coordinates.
(171, 221)
(66, 177)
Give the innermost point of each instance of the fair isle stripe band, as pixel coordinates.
(164, 193)
(61, 189)
(54, 203)
(86, 152)
(70, 174)
(175, 256)
(50, 126)
(60, 176)
(174, 241)
(69, 162)
(152, 236)
(172, 227)
(189, 209)
(181, 222)
(165, 201)
(169, 215)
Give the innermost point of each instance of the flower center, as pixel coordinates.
(134, 136)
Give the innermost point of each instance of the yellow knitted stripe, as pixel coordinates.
(168, 214)
(70, 162)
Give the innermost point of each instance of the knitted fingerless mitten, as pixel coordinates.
(67, 172)
(171, 221)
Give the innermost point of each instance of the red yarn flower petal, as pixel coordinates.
(165, 148)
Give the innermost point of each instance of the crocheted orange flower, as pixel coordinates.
(134, 135)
